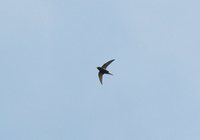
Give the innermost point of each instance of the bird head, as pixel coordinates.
(98, 68)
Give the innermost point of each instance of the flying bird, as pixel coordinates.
(103, 70)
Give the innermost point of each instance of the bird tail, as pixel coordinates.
(110, 73)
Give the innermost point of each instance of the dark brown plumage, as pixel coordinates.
(103, 70)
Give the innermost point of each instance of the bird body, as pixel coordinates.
(103, 70)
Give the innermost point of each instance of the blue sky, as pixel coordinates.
(49, 51)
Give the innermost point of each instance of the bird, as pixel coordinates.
(103, 70)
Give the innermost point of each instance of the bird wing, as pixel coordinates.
(107, 63)
(100, 77)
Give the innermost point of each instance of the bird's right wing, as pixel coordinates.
(100, 77)
(107, 63)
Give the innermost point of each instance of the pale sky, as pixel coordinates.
(49, 87)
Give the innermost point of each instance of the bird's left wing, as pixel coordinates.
(107, 63)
